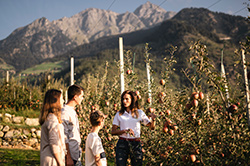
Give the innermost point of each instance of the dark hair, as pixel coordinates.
(51, 104)
(74, 90)
(96, 118)
(134, 106)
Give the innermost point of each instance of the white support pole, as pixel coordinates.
(149, 81)
(121, 63)
(223, 75)
(247, 87)
(208, 111)
(7, 78)
(66, 96)
(71, 70)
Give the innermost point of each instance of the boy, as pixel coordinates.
(94, 152)
(71, 126)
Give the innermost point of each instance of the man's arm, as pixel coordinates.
(69, 161)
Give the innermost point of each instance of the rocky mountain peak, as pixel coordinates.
(43, 39)
(41, 22)
(147, 9)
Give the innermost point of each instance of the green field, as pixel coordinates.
(5, 66)
(19, 157)
(44, 67)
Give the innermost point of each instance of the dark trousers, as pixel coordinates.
(125, 149)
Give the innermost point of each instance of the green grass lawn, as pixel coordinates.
(19, 157)
(43, 67)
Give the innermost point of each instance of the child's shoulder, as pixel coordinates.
(92, 134)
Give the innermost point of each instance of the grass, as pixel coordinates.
(19, 157)
(28, 113)
(43, 67)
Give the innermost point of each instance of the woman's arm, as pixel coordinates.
(59, 160)
(116, 131)
(151, 124)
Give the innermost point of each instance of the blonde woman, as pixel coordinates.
(52, 146)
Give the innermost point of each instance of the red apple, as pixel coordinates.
(175, 127)
(169, 148)
(233, 108)
(162, 94)
(192, 157)
(107, 103)
(194, 103)
(199, 122)
(93, 107)
(168, 112)
(129, 72)
(162, 82)
(168, 122)
(165, 129)
(139, 97)
(150, 110)
(171, 132)
(195, 95)
(181, 141)
(193, 116)
(201, 96)
(149, 100)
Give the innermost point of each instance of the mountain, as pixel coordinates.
(43, 39)
(216, 30)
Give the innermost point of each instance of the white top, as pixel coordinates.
(71, 131)
(93, 147)
(126, 121)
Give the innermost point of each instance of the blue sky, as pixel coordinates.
(18, 13)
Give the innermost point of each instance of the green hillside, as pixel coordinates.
(45, 67)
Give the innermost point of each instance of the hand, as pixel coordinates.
(69, 161)
(130, 132)
(153, 116)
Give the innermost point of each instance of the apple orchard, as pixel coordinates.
(195, 125)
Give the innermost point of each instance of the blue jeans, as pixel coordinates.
(125, 149)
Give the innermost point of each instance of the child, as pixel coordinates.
(94, 152)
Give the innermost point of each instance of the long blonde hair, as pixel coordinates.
(51, 104)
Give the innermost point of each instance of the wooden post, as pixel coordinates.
(121, 63)
(247, 87)
(71, 70)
